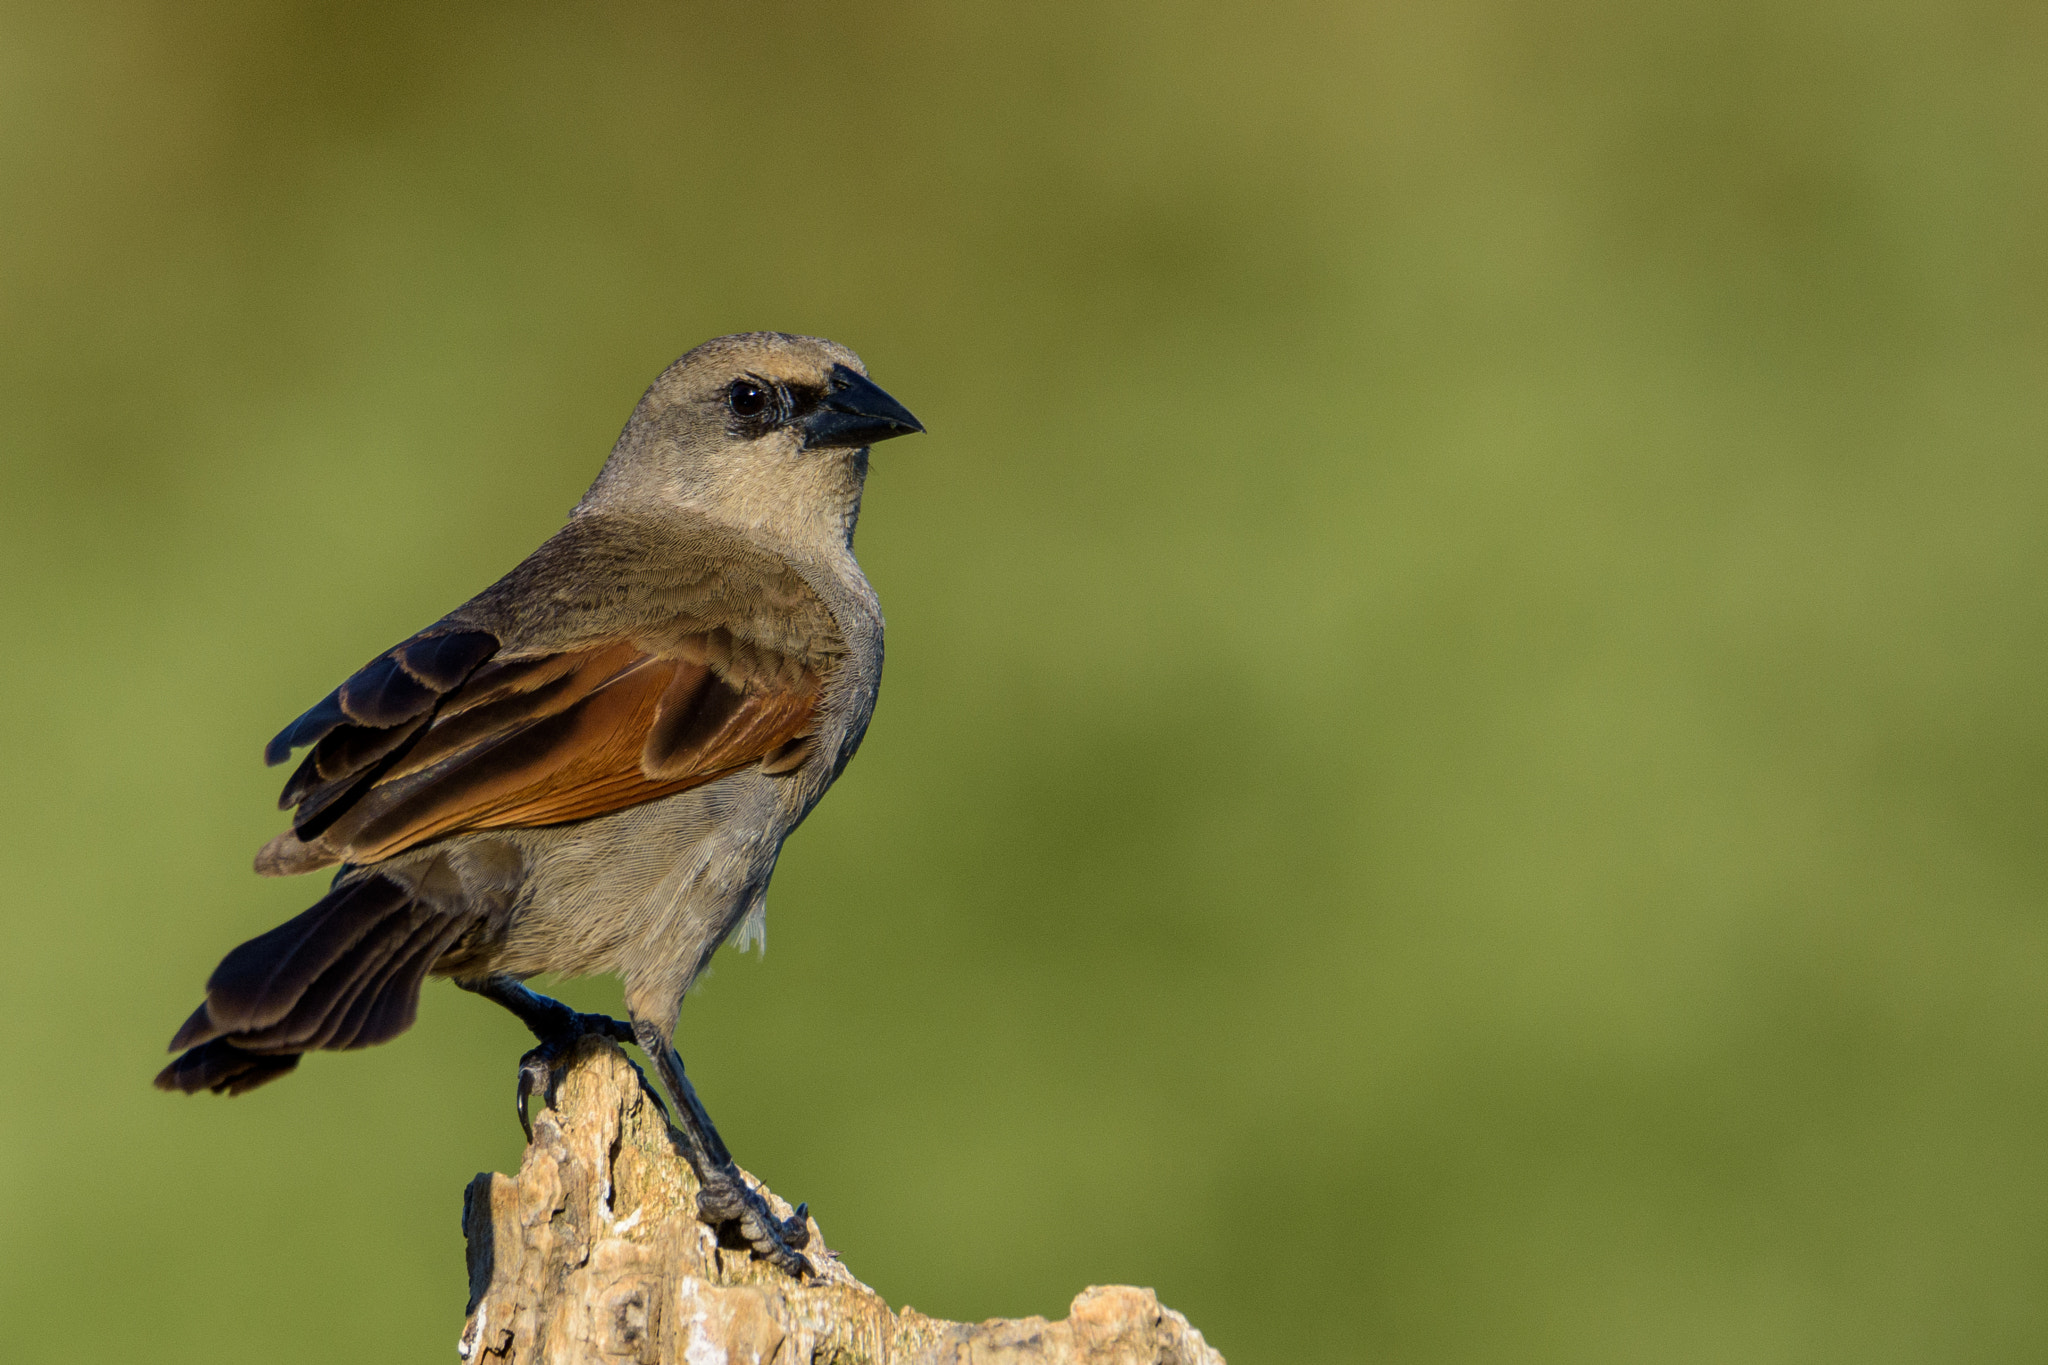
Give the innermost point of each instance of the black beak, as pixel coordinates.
(855, 412)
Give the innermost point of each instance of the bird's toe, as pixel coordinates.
(729, 1201)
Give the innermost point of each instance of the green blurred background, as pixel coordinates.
(1462, 768)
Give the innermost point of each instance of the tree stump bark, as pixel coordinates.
(594, 1253)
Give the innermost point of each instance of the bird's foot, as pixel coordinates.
(538, 1069)
(726, 1200)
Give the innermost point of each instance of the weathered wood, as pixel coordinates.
(594, 1254)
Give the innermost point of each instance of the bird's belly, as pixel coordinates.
(652, 889)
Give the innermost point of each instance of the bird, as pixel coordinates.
(589, 767)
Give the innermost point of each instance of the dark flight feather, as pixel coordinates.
(382, 694)
(442, 662)
(309, 728)
(398, 685)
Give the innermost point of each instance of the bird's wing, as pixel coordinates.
(671, 677)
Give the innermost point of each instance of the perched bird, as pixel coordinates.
(591, 765)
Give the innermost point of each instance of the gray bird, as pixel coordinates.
(591, 765)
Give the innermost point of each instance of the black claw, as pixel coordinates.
(521, 1092)
(537, 1067)
(537, 1075)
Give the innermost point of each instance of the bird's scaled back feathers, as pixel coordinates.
(626, 659)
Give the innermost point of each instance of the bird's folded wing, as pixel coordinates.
(623, 660)
(444, 734)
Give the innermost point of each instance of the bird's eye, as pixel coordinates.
(747, 397)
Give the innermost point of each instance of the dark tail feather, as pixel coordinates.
(344, 974)
(224, 1069)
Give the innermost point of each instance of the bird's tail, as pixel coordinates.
(344, 974)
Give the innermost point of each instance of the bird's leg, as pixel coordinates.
(724, 1197)
(555, 1024)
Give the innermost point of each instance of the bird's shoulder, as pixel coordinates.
(667, 580)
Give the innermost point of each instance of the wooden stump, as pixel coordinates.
(594, 1253)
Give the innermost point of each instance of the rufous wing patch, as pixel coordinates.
(541, 739)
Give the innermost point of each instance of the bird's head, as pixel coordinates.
(760, 429)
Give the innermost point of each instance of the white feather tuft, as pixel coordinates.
(753, 930)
